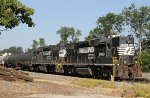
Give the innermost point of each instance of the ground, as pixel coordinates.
(58, 86)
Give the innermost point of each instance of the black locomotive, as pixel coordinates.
(112, 57)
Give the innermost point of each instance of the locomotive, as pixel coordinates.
(111, 57)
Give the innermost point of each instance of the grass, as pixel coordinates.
(89, 83)
(142, 90)
(110, 85)
(92, 83)
(137, 89)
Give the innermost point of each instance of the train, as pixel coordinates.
(110, 57)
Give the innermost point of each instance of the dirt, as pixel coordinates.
(49, 86)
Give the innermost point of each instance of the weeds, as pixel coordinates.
(90, 83)
(142, 90)
(139, 89)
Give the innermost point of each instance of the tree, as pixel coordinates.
(95, 33)
(28, 50)
(146, 43)
(145, 59)
(75, 35)
(15, 49)
(68, 32)
(109, 24)
(12, 50)
(138, 20)
(35, 44)
(41, 42)
(146, 40)
(13, 12)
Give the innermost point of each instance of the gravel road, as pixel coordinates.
(47, 86)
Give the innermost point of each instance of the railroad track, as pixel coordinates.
(143, 79)
(132, 81)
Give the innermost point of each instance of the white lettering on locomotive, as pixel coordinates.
(86, 50)
(101, 54)
(91, 56)
(46, 52)
(126, 45)
(48, 57)
(126, 49)
(62, 53)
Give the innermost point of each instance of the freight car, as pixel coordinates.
(112, 57)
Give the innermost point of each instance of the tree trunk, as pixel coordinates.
(140, 43)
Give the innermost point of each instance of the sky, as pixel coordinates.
(51, 15)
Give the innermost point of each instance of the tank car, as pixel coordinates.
(19, 61)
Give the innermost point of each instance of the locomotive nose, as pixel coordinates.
(134, 71)
(126, 60)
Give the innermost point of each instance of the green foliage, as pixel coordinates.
(146, 44)
(141, 90)
(145, 61)
(13, 12)
(75, 34)
(109, 24)
(68, 32)
(146, 41)
(39, 43)
(94, 34)
(138, 20)
(12, 50)
(28, 50)
(35, 44)
(42, 42)
(139, 94)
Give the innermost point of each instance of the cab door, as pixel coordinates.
(101, 53)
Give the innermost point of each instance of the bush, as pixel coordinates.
(139, 94)
(145, 61)
(142, 90)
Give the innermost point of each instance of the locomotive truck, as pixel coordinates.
(111, 57)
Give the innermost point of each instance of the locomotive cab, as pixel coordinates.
(115, 58)
(123, 51)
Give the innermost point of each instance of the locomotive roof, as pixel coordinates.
(93, 42)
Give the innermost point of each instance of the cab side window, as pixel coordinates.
(108, 46)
